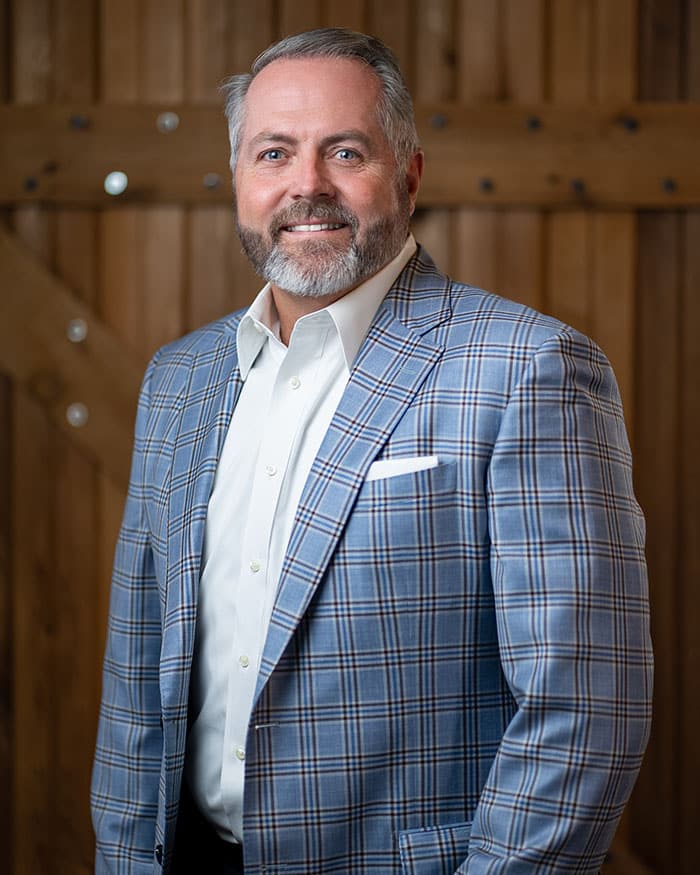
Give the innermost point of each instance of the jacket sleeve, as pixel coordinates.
(571, 604)
(127, 765)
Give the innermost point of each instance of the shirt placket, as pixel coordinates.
(291, 393)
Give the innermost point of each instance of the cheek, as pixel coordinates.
(253, 203)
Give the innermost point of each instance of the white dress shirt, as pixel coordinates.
(286, 404)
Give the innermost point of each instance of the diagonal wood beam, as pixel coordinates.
(623, 155)
(36, 310)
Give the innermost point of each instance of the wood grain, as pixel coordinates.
(31, 76)
(35, 350)
(34, 624)
(464, 143)
(689, 509)
(6, 608)
(657, 433)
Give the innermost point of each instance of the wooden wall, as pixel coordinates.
(631, 280)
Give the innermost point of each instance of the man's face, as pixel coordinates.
(320, 203)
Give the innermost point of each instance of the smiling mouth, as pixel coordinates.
(318, 226)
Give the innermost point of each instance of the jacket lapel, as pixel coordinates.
(211, 394)
(393, 363)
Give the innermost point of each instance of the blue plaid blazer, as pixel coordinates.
(457, 674)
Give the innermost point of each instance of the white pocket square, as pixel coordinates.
(392, 467)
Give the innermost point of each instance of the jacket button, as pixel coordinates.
(159, 853)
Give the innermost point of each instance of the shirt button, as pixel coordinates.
(254, 565)
(270, 470)
(295, 382)
(244, 661)
(240, 754)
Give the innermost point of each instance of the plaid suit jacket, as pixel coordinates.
(457, 673)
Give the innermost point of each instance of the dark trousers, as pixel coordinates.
(199, 848)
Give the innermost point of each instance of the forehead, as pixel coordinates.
(308, 93)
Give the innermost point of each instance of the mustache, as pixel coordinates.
(312, 208)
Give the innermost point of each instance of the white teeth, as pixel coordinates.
(321, 227)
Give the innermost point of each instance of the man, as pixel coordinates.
(379, 601)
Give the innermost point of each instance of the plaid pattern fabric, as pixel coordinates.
(457, 674)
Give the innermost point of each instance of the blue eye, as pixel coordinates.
(346, 154)
(272, 155)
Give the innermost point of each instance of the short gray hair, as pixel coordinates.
(395, 107)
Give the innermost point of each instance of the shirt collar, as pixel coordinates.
(352, 314)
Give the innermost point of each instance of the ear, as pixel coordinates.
(414, 172)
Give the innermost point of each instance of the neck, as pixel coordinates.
(291, 307)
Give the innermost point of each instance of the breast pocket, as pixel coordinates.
(438, 850)
(403, 530)
(418, 487)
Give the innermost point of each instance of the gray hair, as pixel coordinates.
(395, 107)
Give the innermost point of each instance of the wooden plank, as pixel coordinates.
(464, 144)
(479, 70)
(613, 310)
(6, 631)
(31, 48)
(657, 401)
(568, 261)
(521, 264)
(391, 21)
(34, 627)
(207, 33)
(34, 349)
(75, 667)
(4, 49)
(120, 37)
(655, 828)
(31, 76)
(210, 231)
(478, 78)
(521, 261)
(219, 278)
(161, 64)
(121, 230)
(162, 70)
(571, 33)
(75, 47)
(660, 41)
(345, 13)
(435, 62)
(689, 515)
(434, 79)
(524, 49)
(689, 508)
(477, 247)
(6, 626)
(615, 50)
(75, 254)
(614, 270)
(163, 278)
(248, 35)
(568, 234)
(295, 17)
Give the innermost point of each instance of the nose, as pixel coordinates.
(311, 178)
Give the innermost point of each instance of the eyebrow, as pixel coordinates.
(351, 134)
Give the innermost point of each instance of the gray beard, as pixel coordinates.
(321, 269)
